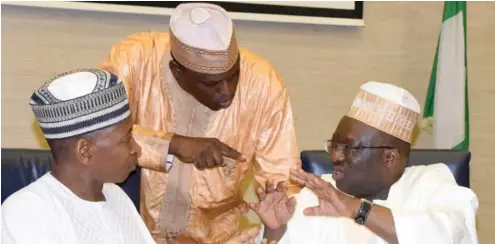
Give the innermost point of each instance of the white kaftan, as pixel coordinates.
(46, 211)
(427, 206)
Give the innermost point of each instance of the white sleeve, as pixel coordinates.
(450, 220)
(27, 219)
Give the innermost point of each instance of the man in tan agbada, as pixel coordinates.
(205, 111)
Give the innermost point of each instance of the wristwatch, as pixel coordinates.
(363, 212)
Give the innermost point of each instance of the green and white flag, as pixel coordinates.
(445, 123)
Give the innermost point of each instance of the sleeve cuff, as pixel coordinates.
(169, 162)
(154, 149)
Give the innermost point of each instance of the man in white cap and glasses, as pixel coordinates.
(372, 196)
(205, 112)
(85, 117)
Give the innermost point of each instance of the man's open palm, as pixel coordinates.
(331, 201)
(274, 208)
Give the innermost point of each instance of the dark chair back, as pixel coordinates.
(20, 167)
(318, 162)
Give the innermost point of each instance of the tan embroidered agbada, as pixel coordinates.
(258, 124)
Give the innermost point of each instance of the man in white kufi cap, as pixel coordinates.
(85, 117)
(205, 112)
(373, 196)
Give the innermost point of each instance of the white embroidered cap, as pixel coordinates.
(386, 107)
(202, 38)
(78, 102)
(202, 25)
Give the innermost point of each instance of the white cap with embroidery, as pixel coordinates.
(387, 107)
(202, 25)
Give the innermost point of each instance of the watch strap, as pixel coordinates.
(363, 212)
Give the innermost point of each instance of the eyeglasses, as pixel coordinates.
(347, 149)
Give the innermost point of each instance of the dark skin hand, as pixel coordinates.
(335, 203)
(274, 209)
(203, 152)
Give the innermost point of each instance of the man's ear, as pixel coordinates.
(84, 151)
(391, 156)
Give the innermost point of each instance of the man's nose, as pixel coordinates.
(136, 149)
(223, 88)
(337, 156)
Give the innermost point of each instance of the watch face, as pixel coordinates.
(360, 220)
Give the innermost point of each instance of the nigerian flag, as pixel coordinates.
(445, 123)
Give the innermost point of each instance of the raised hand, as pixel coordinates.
(332, 202)
(275, 208)
(203, 152)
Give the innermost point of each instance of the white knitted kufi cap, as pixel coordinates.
(79, 102)
(387, 107)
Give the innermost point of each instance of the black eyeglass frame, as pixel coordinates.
(348, 149)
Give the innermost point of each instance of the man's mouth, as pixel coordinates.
(338, 173)
(225, 104)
